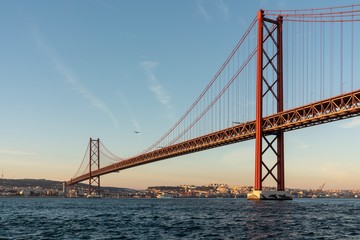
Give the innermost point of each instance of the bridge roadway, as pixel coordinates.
(328, 110)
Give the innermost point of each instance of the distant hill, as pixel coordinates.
(49, 184)
(31, 183)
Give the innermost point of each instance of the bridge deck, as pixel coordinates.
(332, 109)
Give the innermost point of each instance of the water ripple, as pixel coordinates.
(41, 218)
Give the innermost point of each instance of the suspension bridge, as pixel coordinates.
(290, 70)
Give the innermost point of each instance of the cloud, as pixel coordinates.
(353, 123)
(71, 79)
(223, 8)
(220, 6)
(16, 152)
(203, 12)
(161, 94)
(134, 122)
(84, 92)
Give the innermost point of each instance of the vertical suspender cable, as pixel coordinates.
(301, 57)
(315, 62)
(331, 57)
(286, 72)
(341, 59)
(321, 60)
(293, 47)
(322, 44)
(309, 64)
(352, 50)
(237, 91)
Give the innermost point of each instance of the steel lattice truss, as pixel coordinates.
(332, 109)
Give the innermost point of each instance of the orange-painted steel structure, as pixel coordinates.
(328, 110)
(94, 160)
(265, 86)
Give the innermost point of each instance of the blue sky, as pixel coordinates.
(71, 70)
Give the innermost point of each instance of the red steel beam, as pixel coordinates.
(259, 102)
(333, 109)
(280, 108)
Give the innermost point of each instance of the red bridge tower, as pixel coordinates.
(269, 64)
(94, 161)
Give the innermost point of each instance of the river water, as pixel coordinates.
(65, 218)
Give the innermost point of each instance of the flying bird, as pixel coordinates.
(136, 132)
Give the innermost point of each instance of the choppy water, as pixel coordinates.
(48, 218)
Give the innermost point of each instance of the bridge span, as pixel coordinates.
(274, 84)
(337, 108)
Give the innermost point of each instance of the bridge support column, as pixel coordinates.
(94, 161)
(268, 90)
(64, 189)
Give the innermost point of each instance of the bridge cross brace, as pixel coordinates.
(274, 151)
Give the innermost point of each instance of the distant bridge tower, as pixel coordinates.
(269, 66)
(94, 162)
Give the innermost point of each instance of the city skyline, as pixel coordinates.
(125, 72)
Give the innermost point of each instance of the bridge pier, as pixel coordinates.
(64, 188)
(269, 65)
(268, 195)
